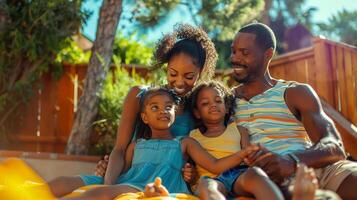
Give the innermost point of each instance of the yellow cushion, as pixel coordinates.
(19, 181)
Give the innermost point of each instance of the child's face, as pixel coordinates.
(182, 73)
(159, 112)
(210, 105)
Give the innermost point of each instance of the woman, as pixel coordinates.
(190, 56)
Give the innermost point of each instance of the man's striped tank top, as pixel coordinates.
(270, 122)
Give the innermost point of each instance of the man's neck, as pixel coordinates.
(255, 87)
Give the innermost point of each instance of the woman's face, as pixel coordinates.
(182, 73)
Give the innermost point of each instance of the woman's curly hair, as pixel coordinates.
(192, 41)
(223, 91)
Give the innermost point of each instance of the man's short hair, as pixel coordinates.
(264, 35)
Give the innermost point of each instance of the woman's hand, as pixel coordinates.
(101, 167)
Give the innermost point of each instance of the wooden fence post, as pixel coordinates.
(324, 73)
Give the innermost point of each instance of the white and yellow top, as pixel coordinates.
(224, 145)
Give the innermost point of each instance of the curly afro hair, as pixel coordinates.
(192, 41)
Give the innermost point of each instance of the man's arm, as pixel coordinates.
(304, 103)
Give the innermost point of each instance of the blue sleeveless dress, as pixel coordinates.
(152, 158)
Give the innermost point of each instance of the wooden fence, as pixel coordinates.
(329, 67)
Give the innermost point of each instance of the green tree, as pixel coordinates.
(32, 33)
(221, 19)
(342, 26)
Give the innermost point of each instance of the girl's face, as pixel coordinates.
(182, 73)
(210, 106)
(159, 112)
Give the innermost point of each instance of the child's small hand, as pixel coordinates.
(155, 189)
(249, 150)
(102, 166)
(189, 173)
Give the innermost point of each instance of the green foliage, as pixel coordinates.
(221, 19)
(342, 26)
(129, 51)
(32, 33)
(73, 54)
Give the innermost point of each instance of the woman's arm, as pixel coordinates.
(210, 163)
(129, 156)
(124, 135)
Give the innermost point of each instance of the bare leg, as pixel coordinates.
(64, 185)
(255, 182)
(347, 189)
(209, 189)
(104, 193)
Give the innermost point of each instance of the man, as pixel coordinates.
(286, 118)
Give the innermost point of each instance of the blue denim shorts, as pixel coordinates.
(229, 177)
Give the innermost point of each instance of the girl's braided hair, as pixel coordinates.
(192, 41)
(225, 92)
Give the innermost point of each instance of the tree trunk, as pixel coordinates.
(97, 70)
(265, 15)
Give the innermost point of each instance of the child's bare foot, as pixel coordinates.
(208, 189)
(155, 189)
(305, 184)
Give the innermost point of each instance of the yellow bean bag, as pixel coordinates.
(19, 181)
(138, 195)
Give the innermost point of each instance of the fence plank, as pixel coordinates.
(323, 71)
(341, 82)
(351, 97)
(354, 78)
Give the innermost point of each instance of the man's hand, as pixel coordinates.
(189, 173)
(277, 167)
(101, 167)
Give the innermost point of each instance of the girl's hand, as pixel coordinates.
(189, 173)
(101, 167)
(249, 150)
(155, 189)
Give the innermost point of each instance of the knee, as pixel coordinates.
(254, 173)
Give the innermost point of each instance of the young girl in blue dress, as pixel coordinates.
(157, 153)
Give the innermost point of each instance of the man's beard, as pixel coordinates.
(245, 79)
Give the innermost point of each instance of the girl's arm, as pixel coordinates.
(210, 163)
(244, 133)
(124, 136)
